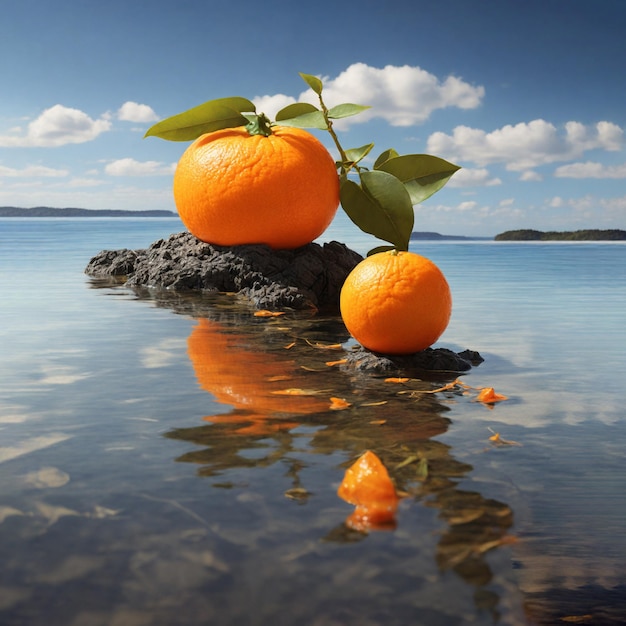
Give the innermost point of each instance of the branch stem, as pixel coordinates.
(345, 167)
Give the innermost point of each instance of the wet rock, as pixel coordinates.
(431, 359)
(307, 277)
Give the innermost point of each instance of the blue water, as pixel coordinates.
(101, 522)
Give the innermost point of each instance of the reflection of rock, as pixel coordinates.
(308, 277)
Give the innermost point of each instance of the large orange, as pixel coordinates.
(396, 302)
(234, 188)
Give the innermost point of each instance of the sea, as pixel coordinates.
(172, 459)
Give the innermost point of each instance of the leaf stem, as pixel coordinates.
(329, 127)
(259, 125)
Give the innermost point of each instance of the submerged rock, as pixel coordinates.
(304, 278)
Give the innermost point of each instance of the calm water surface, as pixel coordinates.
(150, 476)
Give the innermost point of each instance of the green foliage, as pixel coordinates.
(422, 174)
(204, 118)
(379, 201)
(380, 205)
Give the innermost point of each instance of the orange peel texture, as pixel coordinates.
(233, 188)
(396, 302)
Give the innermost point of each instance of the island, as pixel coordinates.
(430, 236)
(45, 211)
(576, 235)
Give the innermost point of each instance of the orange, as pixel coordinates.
(233, 188)
(396, 302)
(367, 485)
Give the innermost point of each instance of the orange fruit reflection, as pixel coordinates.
(255, 383)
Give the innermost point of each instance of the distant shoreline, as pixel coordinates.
(430, 236)
(574, 235)
(43, 211)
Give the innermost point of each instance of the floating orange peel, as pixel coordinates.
(338, 404)
(338, 362)
(266, 313)
(488, 395)
(367, 485)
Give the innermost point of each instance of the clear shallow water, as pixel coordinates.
(143, 476)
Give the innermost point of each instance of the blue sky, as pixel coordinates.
(528, 97)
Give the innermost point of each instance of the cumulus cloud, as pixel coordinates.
(527, 144)
(402, 95)
(270, 105)
(32, 171)
(590, 169)
(131, 167)
(477, 177)
(468, 205)
(530, 176)
(58, 126)
(135, 112)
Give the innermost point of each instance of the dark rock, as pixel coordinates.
(307, 277)
(431, 359)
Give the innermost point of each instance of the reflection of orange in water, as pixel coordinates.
(247, 379)
(368, 486)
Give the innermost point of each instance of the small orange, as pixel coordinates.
(396, 302)
(233, 188)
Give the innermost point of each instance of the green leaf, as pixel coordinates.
(381, 206)
(356, 154)
(313, 82)
(346, 110)
(315, 119)
(422, 174)
(384, 156)
(295, 110)
(204, 118)
(378, 249)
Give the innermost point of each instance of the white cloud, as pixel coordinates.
(401, 95)
(468, 205)
(594, 206)
(135, 112)
(131, 167)
(591, 170)
(75, 183)
(32, 171)
(525, 145)
(58, 126)
(530, 176)
(468, 177)
(270, 105)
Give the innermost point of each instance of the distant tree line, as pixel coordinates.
(528, 234)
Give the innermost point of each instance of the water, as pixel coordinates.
(148, 476)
